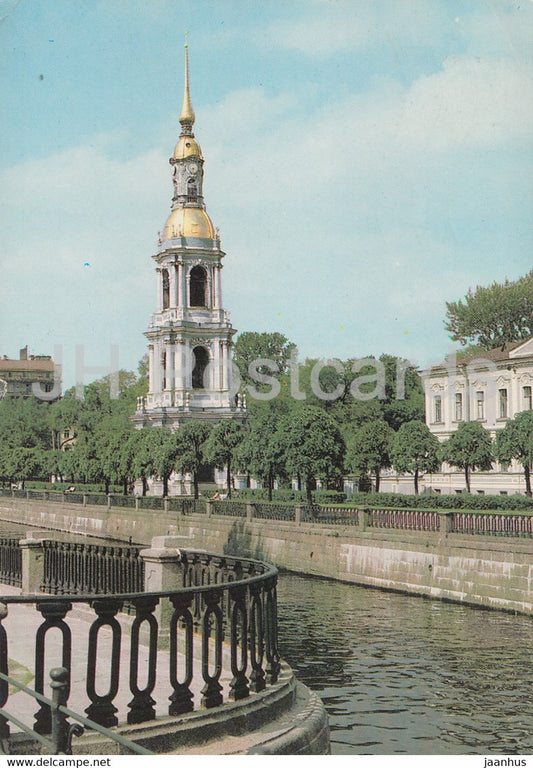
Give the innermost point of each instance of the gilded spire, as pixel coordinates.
(187, 115)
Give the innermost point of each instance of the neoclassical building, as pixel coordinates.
(190, 333)
(490, 388)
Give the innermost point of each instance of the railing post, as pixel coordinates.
(208, 507)
(298, 514)
(136, 503)
(446, 521)
(84, 500)
(108, 500)
(363, 519)
(250, 509)
(32, 565)
(165, 504)
(163, 571)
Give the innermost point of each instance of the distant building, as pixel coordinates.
(36, 375)
(491, 388)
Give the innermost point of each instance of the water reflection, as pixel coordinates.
(400, 674)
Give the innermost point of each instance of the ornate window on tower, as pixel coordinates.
(192, 191)
(198, 287)
(201, 361)
(166, 288)
(164, 370)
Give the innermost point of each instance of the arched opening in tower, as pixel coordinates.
(166, 289)
(198, 287)
(192, 191)
(201, 361)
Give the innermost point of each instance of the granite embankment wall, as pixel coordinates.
(494, 572)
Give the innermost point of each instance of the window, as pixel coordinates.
(481, 493)
(480, 405)
(502, 403)
(458, 406)
(201, 361)
(526, 394)
(66, 434)
(503, 493)
(164, 371)
(198, 287)
(438, 408)
(166, 289)
(192, 191)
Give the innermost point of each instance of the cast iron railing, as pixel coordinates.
(513, 524)
(90, 569)
(10, 562)
(222, 634)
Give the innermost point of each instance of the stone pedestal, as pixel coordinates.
(32, 565)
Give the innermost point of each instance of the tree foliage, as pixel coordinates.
(515, 441)
(493, 315)
(369, 450)
(251, 346)
(469, 448)
(221, 448)
(190, 441)
(415, 450)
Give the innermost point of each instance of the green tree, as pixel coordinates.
(515, 441)
(493, 315)
(311, 446)
(190, 443)
(369, 450)
(415, 450)
(165, 454)
(222, 444)
(143, 445)
(251, 346)
(469, 448)
(259, 452)
(113, 449)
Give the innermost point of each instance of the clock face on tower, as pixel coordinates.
(192, 167)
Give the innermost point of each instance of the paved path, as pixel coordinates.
(21, 625)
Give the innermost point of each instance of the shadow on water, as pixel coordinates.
(399, 674)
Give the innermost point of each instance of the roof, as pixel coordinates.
(515, 350)
(42, 364)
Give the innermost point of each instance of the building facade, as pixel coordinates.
(36, 375)
(490, 388)
(190, 333)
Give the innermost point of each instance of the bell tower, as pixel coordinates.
(190, 333)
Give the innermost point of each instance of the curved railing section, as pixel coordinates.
(220, 628)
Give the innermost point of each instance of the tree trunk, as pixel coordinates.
(228, 479)
(308, 491)
(416, 481)
(195, 484)
(527, 473)
(145, 486)
(165, 485)
(270, 484)
(106, 485)
(467, 478)
(378, 480)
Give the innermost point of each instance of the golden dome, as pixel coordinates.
(188, 222)
(187, 146)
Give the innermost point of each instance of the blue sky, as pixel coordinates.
(366, 160)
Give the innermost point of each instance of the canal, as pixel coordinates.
(405, 675)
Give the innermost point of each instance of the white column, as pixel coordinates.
(187, 287)
(224, 364)
(173, 286)
(151, 372)
(179, 365)
(157, 378)
(216, 366)
(159, 289)
(182, 302)
(169, 372)
(218, 286)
